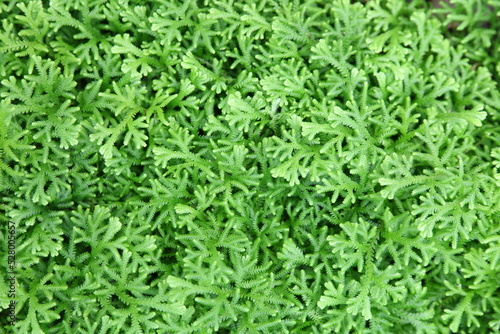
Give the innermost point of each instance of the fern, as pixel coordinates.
(225, 166)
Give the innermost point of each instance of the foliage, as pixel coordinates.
(227, 166)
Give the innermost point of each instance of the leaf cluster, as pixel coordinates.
(227, 166)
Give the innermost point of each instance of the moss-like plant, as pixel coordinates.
(277, 166)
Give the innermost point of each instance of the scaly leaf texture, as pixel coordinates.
(226, 166)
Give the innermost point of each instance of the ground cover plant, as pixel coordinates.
(222, 166)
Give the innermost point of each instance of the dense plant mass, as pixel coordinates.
(272, 166)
